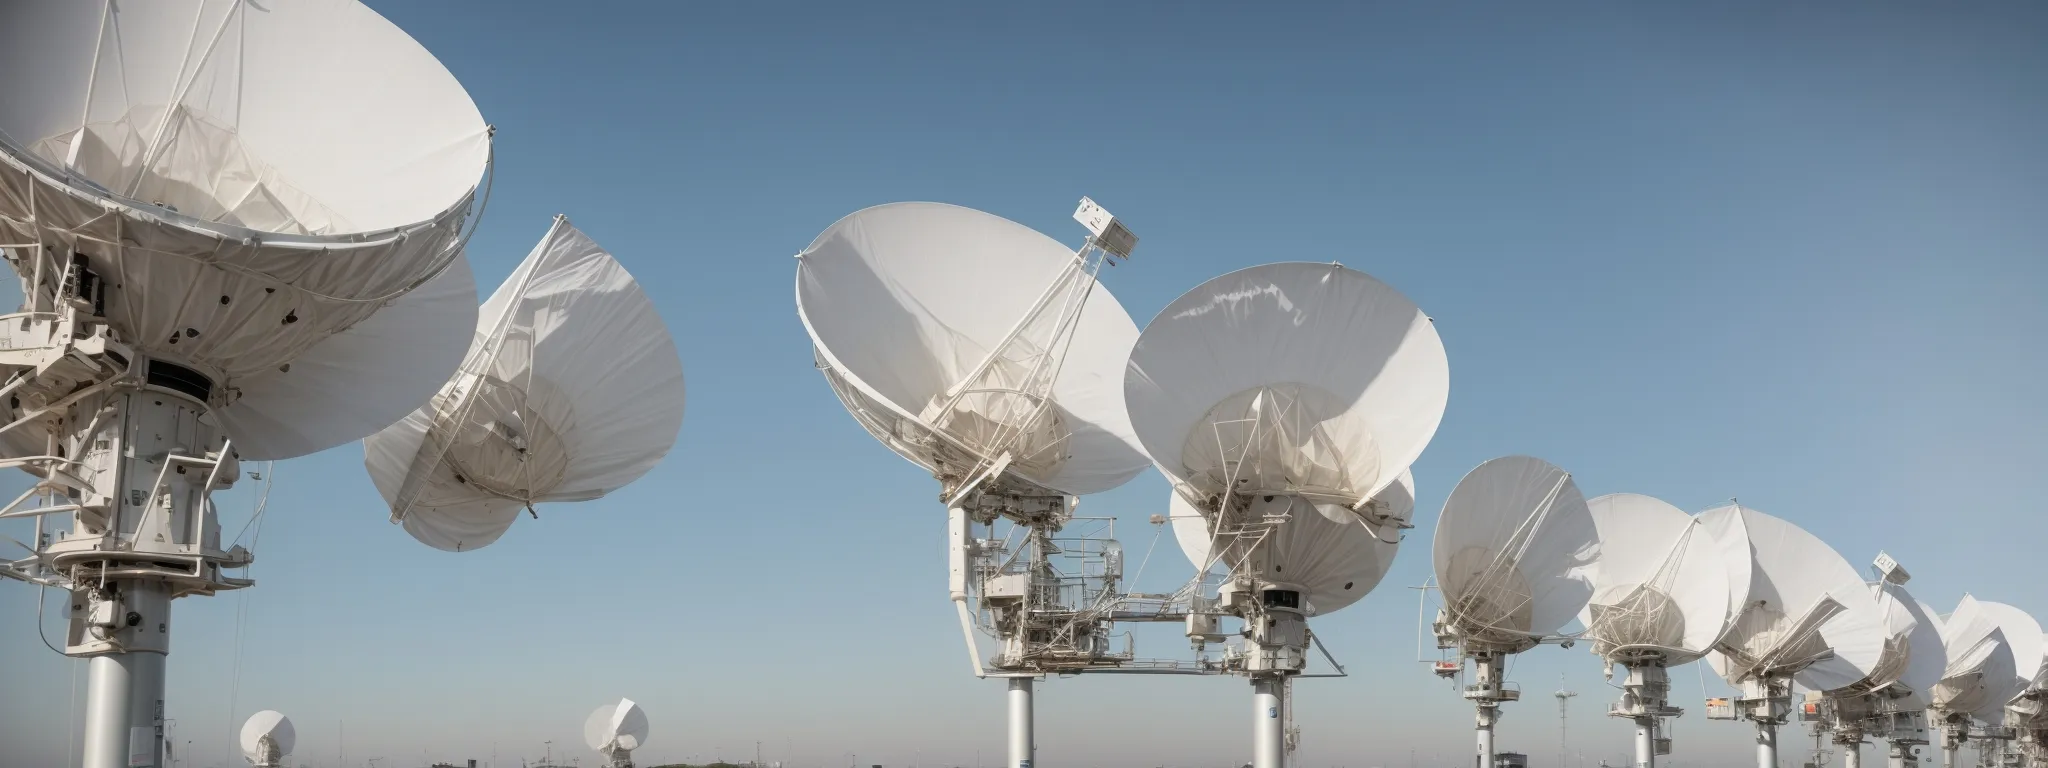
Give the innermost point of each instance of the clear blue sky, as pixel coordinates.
(1794, 253)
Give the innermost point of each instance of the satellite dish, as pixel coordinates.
(1327, 382)
(272, 204)
(987, 353)
(615, 730)
(947, 332)
(267, 737)
(571, 390)
(239, 228)
(1514, 553)
(1666, 588)
(1914, 658)
(1808, 618)
(1891, 701)
(2029, 710)
(1667, 585)
(1981, 667)
(1332, 556)
(2023, 636)
(1982, 673)
(1264, 394)
(1809, 615)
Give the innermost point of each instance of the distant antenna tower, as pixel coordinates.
(236, 242)
(1511, 548)
(1297, 493)
(987, 354)
(1564, 698)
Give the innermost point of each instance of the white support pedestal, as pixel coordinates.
(1269, 722)
(124, 710)
(1022, 746)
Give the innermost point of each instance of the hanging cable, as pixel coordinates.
(42, 596)
(242, 596)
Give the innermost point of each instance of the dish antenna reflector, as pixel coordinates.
(615, 730)
(571, 390)
(2027, 712)
(986, 353)
(973, 346)
(1667, 587)
(2023, 638)
(1808, 617)
(1283, 401)
(1980, 673)
(239, 229)
(1891, 701)
(1513, 553)
(1310, 380)
(267, 737)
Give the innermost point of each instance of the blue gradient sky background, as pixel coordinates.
(1791, 253)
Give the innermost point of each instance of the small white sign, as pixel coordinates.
(141, 746)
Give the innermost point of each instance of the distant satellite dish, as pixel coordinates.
(1304, 379)
(267, 737)
(1981, 669)
(1333, 556)
(967, 342)
(272, 206)
(1668, 585)
(615, 730)
(1809, 615)
(571, 390)
(1514, 552)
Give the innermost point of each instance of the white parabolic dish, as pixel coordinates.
(267, 723)
(905, 301)
(1792, 575)
(616, 726)
(257, 185)
(1514, 551)
(571, 390)
(1325, 549)
(1915, 657)
(2023, 636)
(1304, 379)
(1980, 672)
(1667, 584)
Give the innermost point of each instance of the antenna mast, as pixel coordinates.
(1564, 698)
